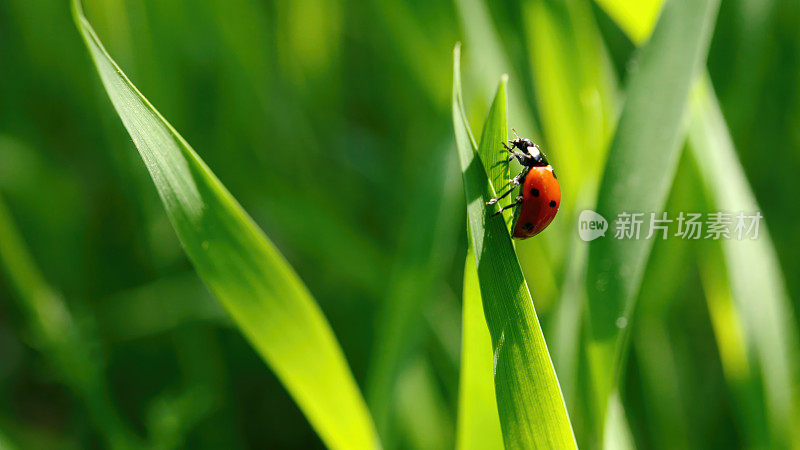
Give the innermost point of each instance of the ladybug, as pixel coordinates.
(539, 196)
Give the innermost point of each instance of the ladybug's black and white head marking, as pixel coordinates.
(522, 144)
(533, 156)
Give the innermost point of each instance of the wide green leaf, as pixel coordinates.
(639, 172)
(529, 401)
(264, 296)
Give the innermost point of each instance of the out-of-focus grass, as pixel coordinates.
(639, 171)
(56, 333)
(754, 277)
(333, 129)
(424, 420)
(734, 300)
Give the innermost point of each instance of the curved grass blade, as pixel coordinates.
(265, 297)
(641, 165)
(529, 401)
(478, 423)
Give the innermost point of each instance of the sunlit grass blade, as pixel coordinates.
(753, 270)
(635, 17)
(267, 300)
(478, 423)
(529, 401)
(639, 172)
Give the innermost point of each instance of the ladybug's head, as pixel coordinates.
(522, 144)
(535, 157)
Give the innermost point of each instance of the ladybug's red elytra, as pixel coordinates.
(539, 196)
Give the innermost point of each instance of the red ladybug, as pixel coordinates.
(540, 194)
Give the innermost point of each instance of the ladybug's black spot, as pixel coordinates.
(535, 192)
(527, 227)
(552, 203)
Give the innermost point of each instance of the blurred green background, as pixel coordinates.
(330, 122)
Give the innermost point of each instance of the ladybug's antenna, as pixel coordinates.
(515, 133)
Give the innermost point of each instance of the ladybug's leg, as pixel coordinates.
(496, 199)
(517, 202)
(521, 157)
(514, 183)
(521, 176)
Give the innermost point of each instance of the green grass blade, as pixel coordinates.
(753, 271)
(491, 150)
(530, 404)
(770, 328)
(478, 423)
(244, 270)
(639, 172)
